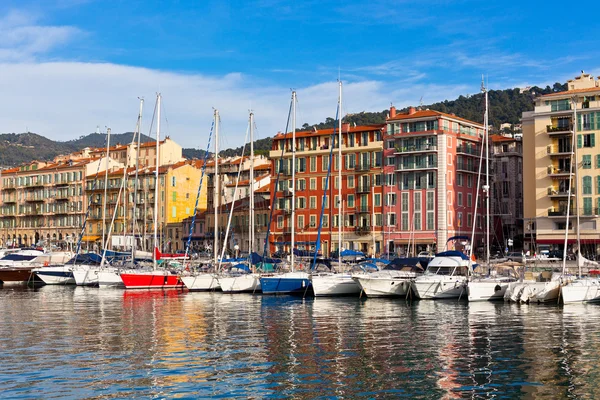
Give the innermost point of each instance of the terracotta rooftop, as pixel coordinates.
(500, 138)
(329, 131)
(574, 91)
(427, 114)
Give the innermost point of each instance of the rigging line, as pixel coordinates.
(278, 163)
(87, 213)
(195, 210)
(318, 242)
(233, 200)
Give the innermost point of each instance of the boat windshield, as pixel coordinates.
(447, 270)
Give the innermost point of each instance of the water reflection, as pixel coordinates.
(85, 342)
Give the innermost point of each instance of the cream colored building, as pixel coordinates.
(552, 159)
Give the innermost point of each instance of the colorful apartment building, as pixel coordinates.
(361, 205)
(562, 172)
(45, 202)
(432, 170)
(178, 187)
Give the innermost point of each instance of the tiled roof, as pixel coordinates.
(574, 91)
(427, 114)
(262, 167)
(500, 138)
(329, 131)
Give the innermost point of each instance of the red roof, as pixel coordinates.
(329, 131)
(500, 138)
(428, 114)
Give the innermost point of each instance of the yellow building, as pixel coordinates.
(177, 191)
(554, 161)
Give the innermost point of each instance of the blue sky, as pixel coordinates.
(71, 65)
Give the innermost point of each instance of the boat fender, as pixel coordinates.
(300, 266)
(46, 263)
(497, 288)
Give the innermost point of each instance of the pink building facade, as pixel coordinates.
(432, 167)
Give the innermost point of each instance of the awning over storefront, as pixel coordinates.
(90, 238)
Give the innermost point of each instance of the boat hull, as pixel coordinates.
(334, 285)
(201, 282)
(240, 283)
(581, 291)
(487, 290)
(533, 292)
(61, 275)
(288, 283)
(96, 276)
(16, 275)
(439, 289)
(151, 280)
(383, 287)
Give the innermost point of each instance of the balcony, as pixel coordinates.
(558, 130)
(470, 150)
(424, 148)
(556, 194)
(363, 189)
(362, 167)
(416, 166)
(363, 210)
(61, 196)
(34, 199)
(363, 230)
(468, 167)
(554, 172)
(286, 171)
(559, 151)
(583, 212)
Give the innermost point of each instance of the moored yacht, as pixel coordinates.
(392, 281)
(446, 277)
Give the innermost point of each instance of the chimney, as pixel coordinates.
(392, 112)
(345, 127)
(411, 110)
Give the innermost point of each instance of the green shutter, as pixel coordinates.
(598, 120)
(598, 161)
(593, 139)
(579, 141)
(579, 122)
(598, 185)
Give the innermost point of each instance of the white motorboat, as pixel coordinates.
(544, 287)
(334, 284)
(492, 287)
(446, 277)
(586, 289)
(392, 281)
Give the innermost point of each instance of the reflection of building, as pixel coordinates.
(362, 187)
(432, 164)
(549, 166)
(506, 200)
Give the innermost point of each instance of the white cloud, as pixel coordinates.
(23, 39)
(63, 100)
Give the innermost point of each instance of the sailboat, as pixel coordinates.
(155, 278)
(293, 281)
(583, 289)
(338, 283)
(205, 278)
(494, 285)
(240, 278)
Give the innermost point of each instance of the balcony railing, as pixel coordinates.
(412, 149)
(558, 150)
(559, 128)
(362, 167)
(583, 212)
(467, 167)
(363, 209)
(363, 189)
(474, 151)
(363, 230)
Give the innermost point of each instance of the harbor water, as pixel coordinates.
(74, 342)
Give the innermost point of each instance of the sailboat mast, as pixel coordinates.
(293, 186)
(574, 100)
(135, 182)
(487, 180)
(340, 215)
(216, 193)
(104, 200)
(251, 213)
(158, 97)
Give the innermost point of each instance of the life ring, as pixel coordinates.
(46, 263)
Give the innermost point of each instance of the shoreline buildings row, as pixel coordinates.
(407, 185)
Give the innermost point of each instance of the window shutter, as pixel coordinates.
(598, 185)
(593, 139)
(598, 161)
(579, 141)
(579, 122)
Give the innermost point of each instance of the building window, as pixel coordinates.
(587, 140)
(391, 197)
(377, 199)
(430, 220)
(301, 202)
(301, 221)
(469, 200)
(586, 162)
(469, 181)
(313, 164)
(350, 181)
(469, 220)
(313, 183)
(350, 201)
(173, 181)
(459, 179)
(391, 219)
(459, 199)
(587, 185)
(313, 202)
(313, 221)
